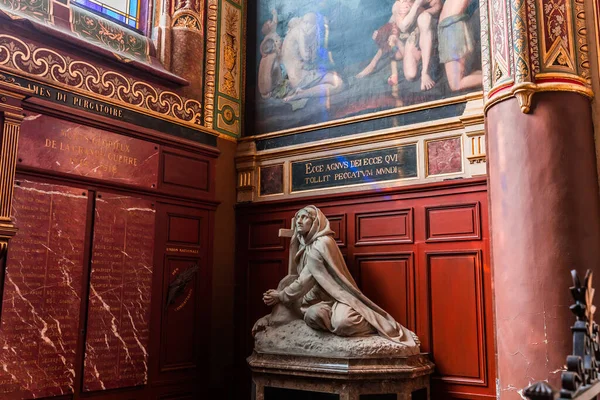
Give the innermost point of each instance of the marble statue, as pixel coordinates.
(319, 297)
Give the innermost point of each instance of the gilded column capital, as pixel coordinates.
(532, 46)
(11, 112)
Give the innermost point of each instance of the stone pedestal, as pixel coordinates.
(404, 377)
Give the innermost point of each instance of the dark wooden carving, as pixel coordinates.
(177, 287)
(580, 380)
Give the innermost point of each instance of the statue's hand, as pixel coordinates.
(271, 297)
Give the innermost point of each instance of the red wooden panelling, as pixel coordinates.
(262, 275)
(186, 172)
(183, 229)
(265, 235)
(181, 328)
(179, 349)
(384, 227)
(338, 225)
(457, 329)
(453, 222)
(388, 280)
(422, 254)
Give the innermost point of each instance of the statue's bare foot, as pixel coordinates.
(426, 82)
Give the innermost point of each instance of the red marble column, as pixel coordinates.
(545, 221)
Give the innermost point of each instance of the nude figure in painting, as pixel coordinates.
(409, 36)
(299, 57)
(269, 70)
(456, 44)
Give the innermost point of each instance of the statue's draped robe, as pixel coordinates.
(331, 299)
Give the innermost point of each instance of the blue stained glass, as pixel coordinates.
(129, 18)
(111, 13)
(133, 8)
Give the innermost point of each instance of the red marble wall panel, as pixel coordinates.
(444, 156)
(57, 145)
(42, 291)
(116, 353)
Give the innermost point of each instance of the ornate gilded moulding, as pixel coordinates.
(74, 74)
(125, 44)
(225, 65)
(276, 167)
(533, 46)
(216, 110)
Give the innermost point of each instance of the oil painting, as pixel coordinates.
(322, 61)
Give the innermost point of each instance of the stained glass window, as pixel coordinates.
(124, 11)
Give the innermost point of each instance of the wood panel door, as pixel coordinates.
(421, 253)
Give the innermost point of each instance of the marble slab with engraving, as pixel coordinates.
(116, 351)
(42, 291)
(58, 145)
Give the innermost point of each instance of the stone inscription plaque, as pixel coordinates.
(350, 169)
(50, 143)
(42, 291)
(116, 352)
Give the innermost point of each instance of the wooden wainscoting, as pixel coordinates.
(422, 253)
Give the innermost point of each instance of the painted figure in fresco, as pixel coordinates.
(409, 36)
(269, 69)
(299, 54)
(456, 45)
(323, 292)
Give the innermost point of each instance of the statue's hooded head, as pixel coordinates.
(319, 225)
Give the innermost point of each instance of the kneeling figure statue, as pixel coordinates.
(320, 291)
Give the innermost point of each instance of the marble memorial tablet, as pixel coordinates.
(42, 291)
(57, 145)
(116, 353)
